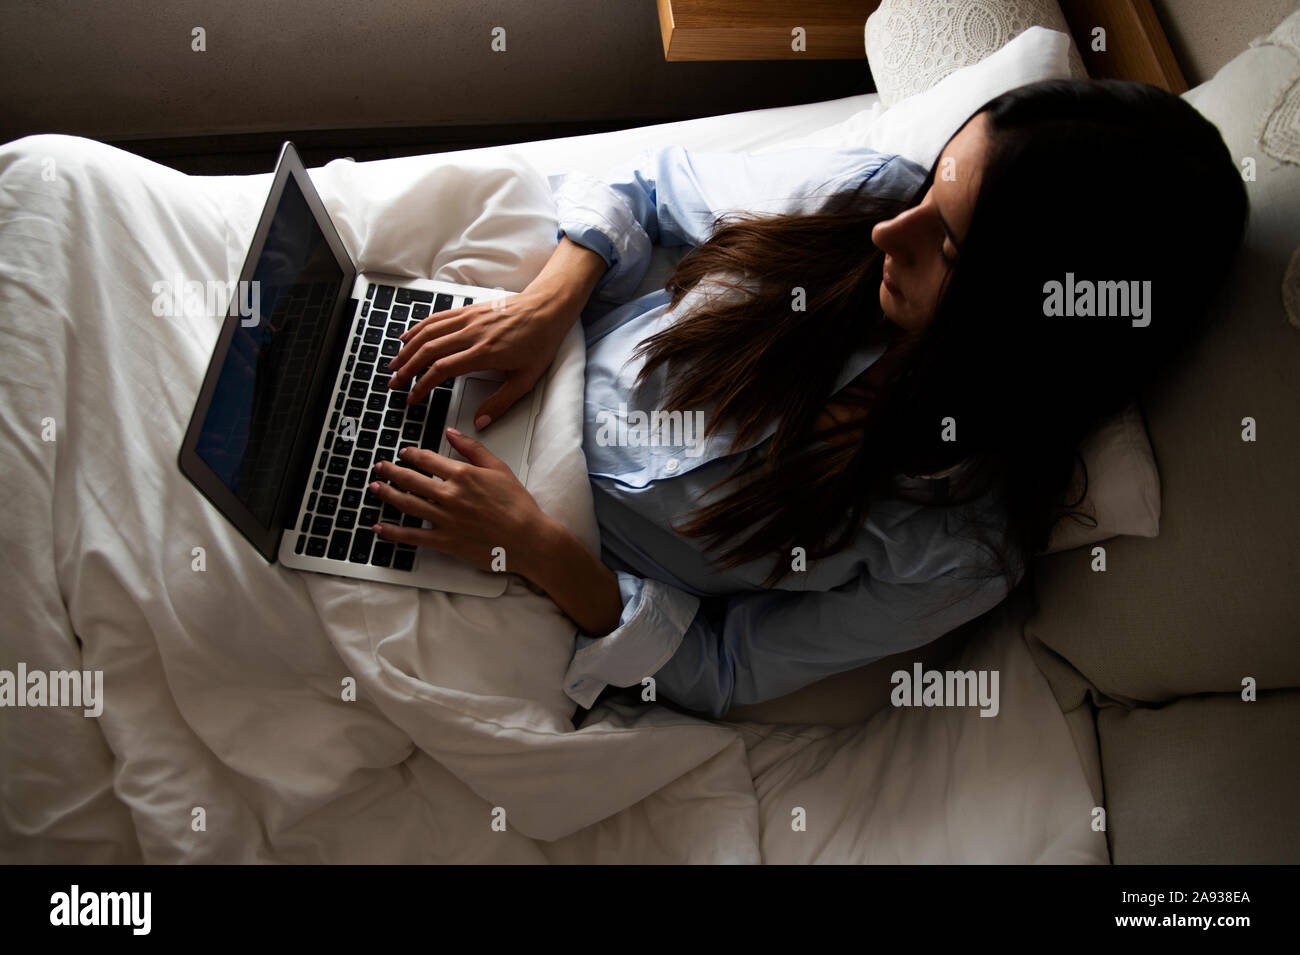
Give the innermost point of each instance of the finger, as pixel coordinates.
(428, 353)
(430, 489)
(451, 366)
(423, 333)
(446, 315)
(424, 536)
(411, 504)
(474, 451)
(430, 462)
(500, 401)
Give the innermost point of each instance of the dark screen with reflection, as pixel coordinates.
(261, 390)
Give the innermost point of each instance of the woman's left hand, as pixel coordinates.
(473, 508)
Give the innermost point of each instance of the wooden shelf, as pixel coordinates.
(762, 29)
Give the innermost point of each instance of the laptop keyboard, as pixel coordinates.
(368, 423)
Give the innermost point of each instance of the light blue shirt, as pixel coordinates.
(714, 638)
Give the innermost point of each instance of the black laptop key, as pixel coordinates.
(442, 302)
(396, 329)
(419, 312)
(311, 502)
(372, 420)
(338, 401)
(354, 409)
(383, 554)
(366, 439)
(306, 526)
(384, 297)
(439, 402)
(390, 514)
(361, 459)
(403, 559)
(338, 465)
(321, 526)
(412, 431)
(400, 313)
(415, 412)
(334, 420)
(339, 545)
(346, 520)
(369, 517)
(393, 418)
(352, 499)
(403, 296)
(421, 295)
(377, 401)
(315, 481)
(348, 366)
(361, 546)
(302, 542)
(370, 292)
(358, 479)
(359, 389)
(327, 505)
(411, 520)
(388, 437)
(468, 301)
(384, 454)
(333, 484)
(355, 343)
(316, 546)
(365, 371)
(365, 306)
(370, 353)
(380, 381)
(396, 399)
(374, 335)
(378, 319)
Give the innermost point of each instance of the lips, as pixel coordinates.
(889, 284)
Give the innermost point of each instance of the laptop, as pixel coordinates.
(295, 408)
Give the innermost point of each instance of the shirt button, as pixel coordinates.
(670, 465)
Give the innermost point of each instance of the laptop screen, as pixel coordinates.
(262, 388)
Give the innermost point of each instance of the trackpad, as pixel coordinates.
(504, 437)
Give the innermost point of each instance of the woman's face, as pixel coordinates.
(921, 245)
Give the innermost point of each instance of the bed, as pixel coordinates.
(256, 715)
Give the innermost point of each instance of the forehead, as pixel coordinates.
(957, 176)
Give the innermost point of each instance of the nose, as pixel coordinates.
(890, 236)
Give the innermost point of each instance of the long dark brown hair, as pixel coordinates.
(1108, 180)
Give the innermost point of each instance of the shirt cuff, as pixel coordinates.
(596, 217)
(655, 617)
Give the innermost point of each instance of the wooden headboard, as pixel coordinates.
(1136, 46)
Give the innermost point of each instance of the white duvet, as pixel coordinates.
(226, 734)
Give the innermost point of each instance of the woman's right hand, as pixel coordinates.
(516, 334)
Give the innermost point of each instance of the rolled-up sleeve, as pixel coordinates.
(655, 616)
(672, 196)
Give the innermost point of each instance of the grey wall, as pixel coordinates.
(125, 68)
(1205, 34)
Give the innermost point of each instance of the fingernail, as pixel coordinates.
(482, 421)
(404, 453)
(375, 486)
(455, 432)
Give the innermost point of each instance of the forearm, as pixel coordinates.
(572, 272)
(581, 586)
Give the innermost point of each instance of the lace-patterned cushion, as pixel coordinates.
(912, 44)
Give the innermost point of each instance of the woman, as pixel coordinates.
(893, 386)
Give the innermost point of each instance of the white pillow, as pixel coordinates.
(1123, 486)
(913, 44)
(920, 125)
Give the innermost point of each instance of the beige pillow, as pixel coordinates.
(912, 44)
